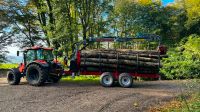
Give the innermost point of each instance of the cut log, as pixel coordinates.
(115, 61)
(121, 60)
(123, 51)
(120, 56)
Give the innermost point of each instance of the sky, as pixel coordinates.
(13, 49)
(165, 2)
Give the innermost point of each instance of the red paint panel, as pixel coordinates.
(78, 58)
(90, 73)
(146, 75)
(116, 74)
(67, 72)
(21, 67)
(41, 61)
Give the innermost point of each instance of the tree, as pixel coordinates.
(145, 16)
(193, 14)
(46, 17)
(23, 23)
(5, 40)
(5, 37)
(191, 9)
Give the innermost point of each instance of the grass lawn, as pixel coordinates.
(8, 66)
(81, 78)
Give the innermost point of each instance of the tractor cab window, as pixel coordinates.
(30, 56)
(45, 55)
(48, 55)
(40, 54)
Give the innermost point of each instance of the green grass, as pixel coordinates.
(8, 66)
(81, 78)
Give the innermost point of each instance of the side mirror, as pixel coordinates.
(17, 53)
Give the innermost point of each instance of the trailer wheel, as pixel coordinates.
(106, 79)
(125, 80)
(14, 77)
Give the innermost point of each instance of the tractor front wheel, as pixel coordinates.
(36, 75)
(13, 77)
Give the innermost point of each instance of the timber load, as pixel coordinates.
(121, 60)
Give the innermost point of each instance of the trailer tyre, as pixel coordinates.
(13, 77)
(36, 75)
(107, 79)
(125, 80)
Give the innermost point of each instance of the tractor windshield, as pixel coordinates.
(45, 54)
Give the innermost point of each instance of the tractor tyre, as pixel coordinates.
(125, 80)
(107, 79)
(36, 75)
(14, 77)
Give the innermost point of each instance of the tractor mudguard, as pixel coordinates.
(15, 70)
(43, 64)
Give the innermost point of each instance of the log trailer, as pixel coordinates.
(40, 66)
(107, 77)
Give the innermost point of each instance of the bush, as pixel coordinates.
(183, 61)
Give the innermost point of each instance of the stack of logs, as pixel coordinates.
(121, 60)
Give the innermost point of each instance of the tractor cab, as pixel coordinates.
(38, 54)
(38, 66)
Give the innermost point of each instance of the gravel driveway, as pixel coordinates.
(86, 97)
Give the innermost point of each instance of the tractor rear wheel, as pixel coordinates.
(14, 77)
(36, 75)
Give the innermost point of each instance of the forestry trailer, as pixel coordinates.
(112, 65)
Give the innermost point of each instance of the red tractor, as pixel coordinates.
(39, 66)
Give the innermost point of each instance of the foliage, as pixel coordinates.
(23, 23)
(8, 66)
(66, 21)
(5, 37)
(183, 61)
(4, 41)
(75, 19)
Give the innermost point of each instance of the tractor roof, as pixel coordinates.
(38, 47)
